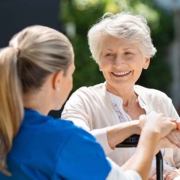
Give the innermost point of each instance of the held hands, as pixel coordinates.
(158, 123)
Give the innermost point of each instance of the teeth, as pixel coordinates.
(121, 73)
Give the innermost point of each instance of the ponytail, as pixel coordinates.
(11, 104)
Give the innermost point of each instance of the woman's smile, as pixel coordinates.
(121, 74)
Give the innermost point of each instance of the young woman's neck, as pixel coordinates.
(38, 101)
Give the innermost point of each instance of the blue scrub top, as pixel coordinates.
(54, 149)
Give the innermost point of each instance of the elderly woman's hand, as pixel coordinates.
(167, 175)
(165, 143)
(174, 137)
(171, 174)
(177, 124)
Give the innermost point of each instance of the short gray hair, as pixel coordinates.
(125, 25)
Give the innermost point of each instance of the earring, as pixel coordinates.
(58, 89)
(145, 67)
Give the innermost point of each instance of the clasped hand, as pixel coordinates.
(169, 131)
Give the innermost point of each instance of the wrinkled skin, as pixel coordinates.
(167, 174)
(174, 137)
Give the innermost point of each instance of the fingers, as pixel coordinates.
(165, 143)
(142, 119)
(177, 124)
(167, 175)
(170, 174)
(174, 137)
(173, 122)
(158, 123)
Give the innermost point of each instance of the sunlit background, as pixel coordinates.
(74, 17)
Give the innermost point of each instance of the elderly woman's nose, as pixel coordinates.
(118, 61)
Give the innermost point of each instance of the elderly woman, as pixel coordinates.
(121, 46)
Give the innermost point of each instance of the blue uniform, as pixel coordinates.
(54, 149)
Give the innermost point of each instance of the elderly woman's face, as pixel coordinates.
(121, 63)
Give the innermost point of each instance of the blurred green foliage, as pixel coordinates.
(84, 13)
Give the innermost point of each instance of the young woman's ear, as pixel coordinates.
(57, 80)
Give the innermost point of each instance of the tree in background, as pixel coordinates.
(79, 15)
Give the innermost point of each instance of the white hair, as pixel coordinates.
(125, 25)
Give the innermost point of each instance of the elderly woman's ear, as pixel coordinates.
(147, 62)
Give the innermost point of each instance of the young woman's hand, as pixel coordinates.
(157, 123)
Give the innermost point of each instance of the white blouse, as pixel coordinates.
(117, 104)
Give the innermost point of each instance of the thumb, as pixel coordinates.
(176, 124)
(142, 120)
(142, 117)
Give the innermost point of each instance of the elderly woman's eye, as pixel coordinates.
(127, 53)
(109, 54)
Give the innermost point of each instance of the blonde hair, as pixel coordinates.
(132, 28)
(32, 55)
